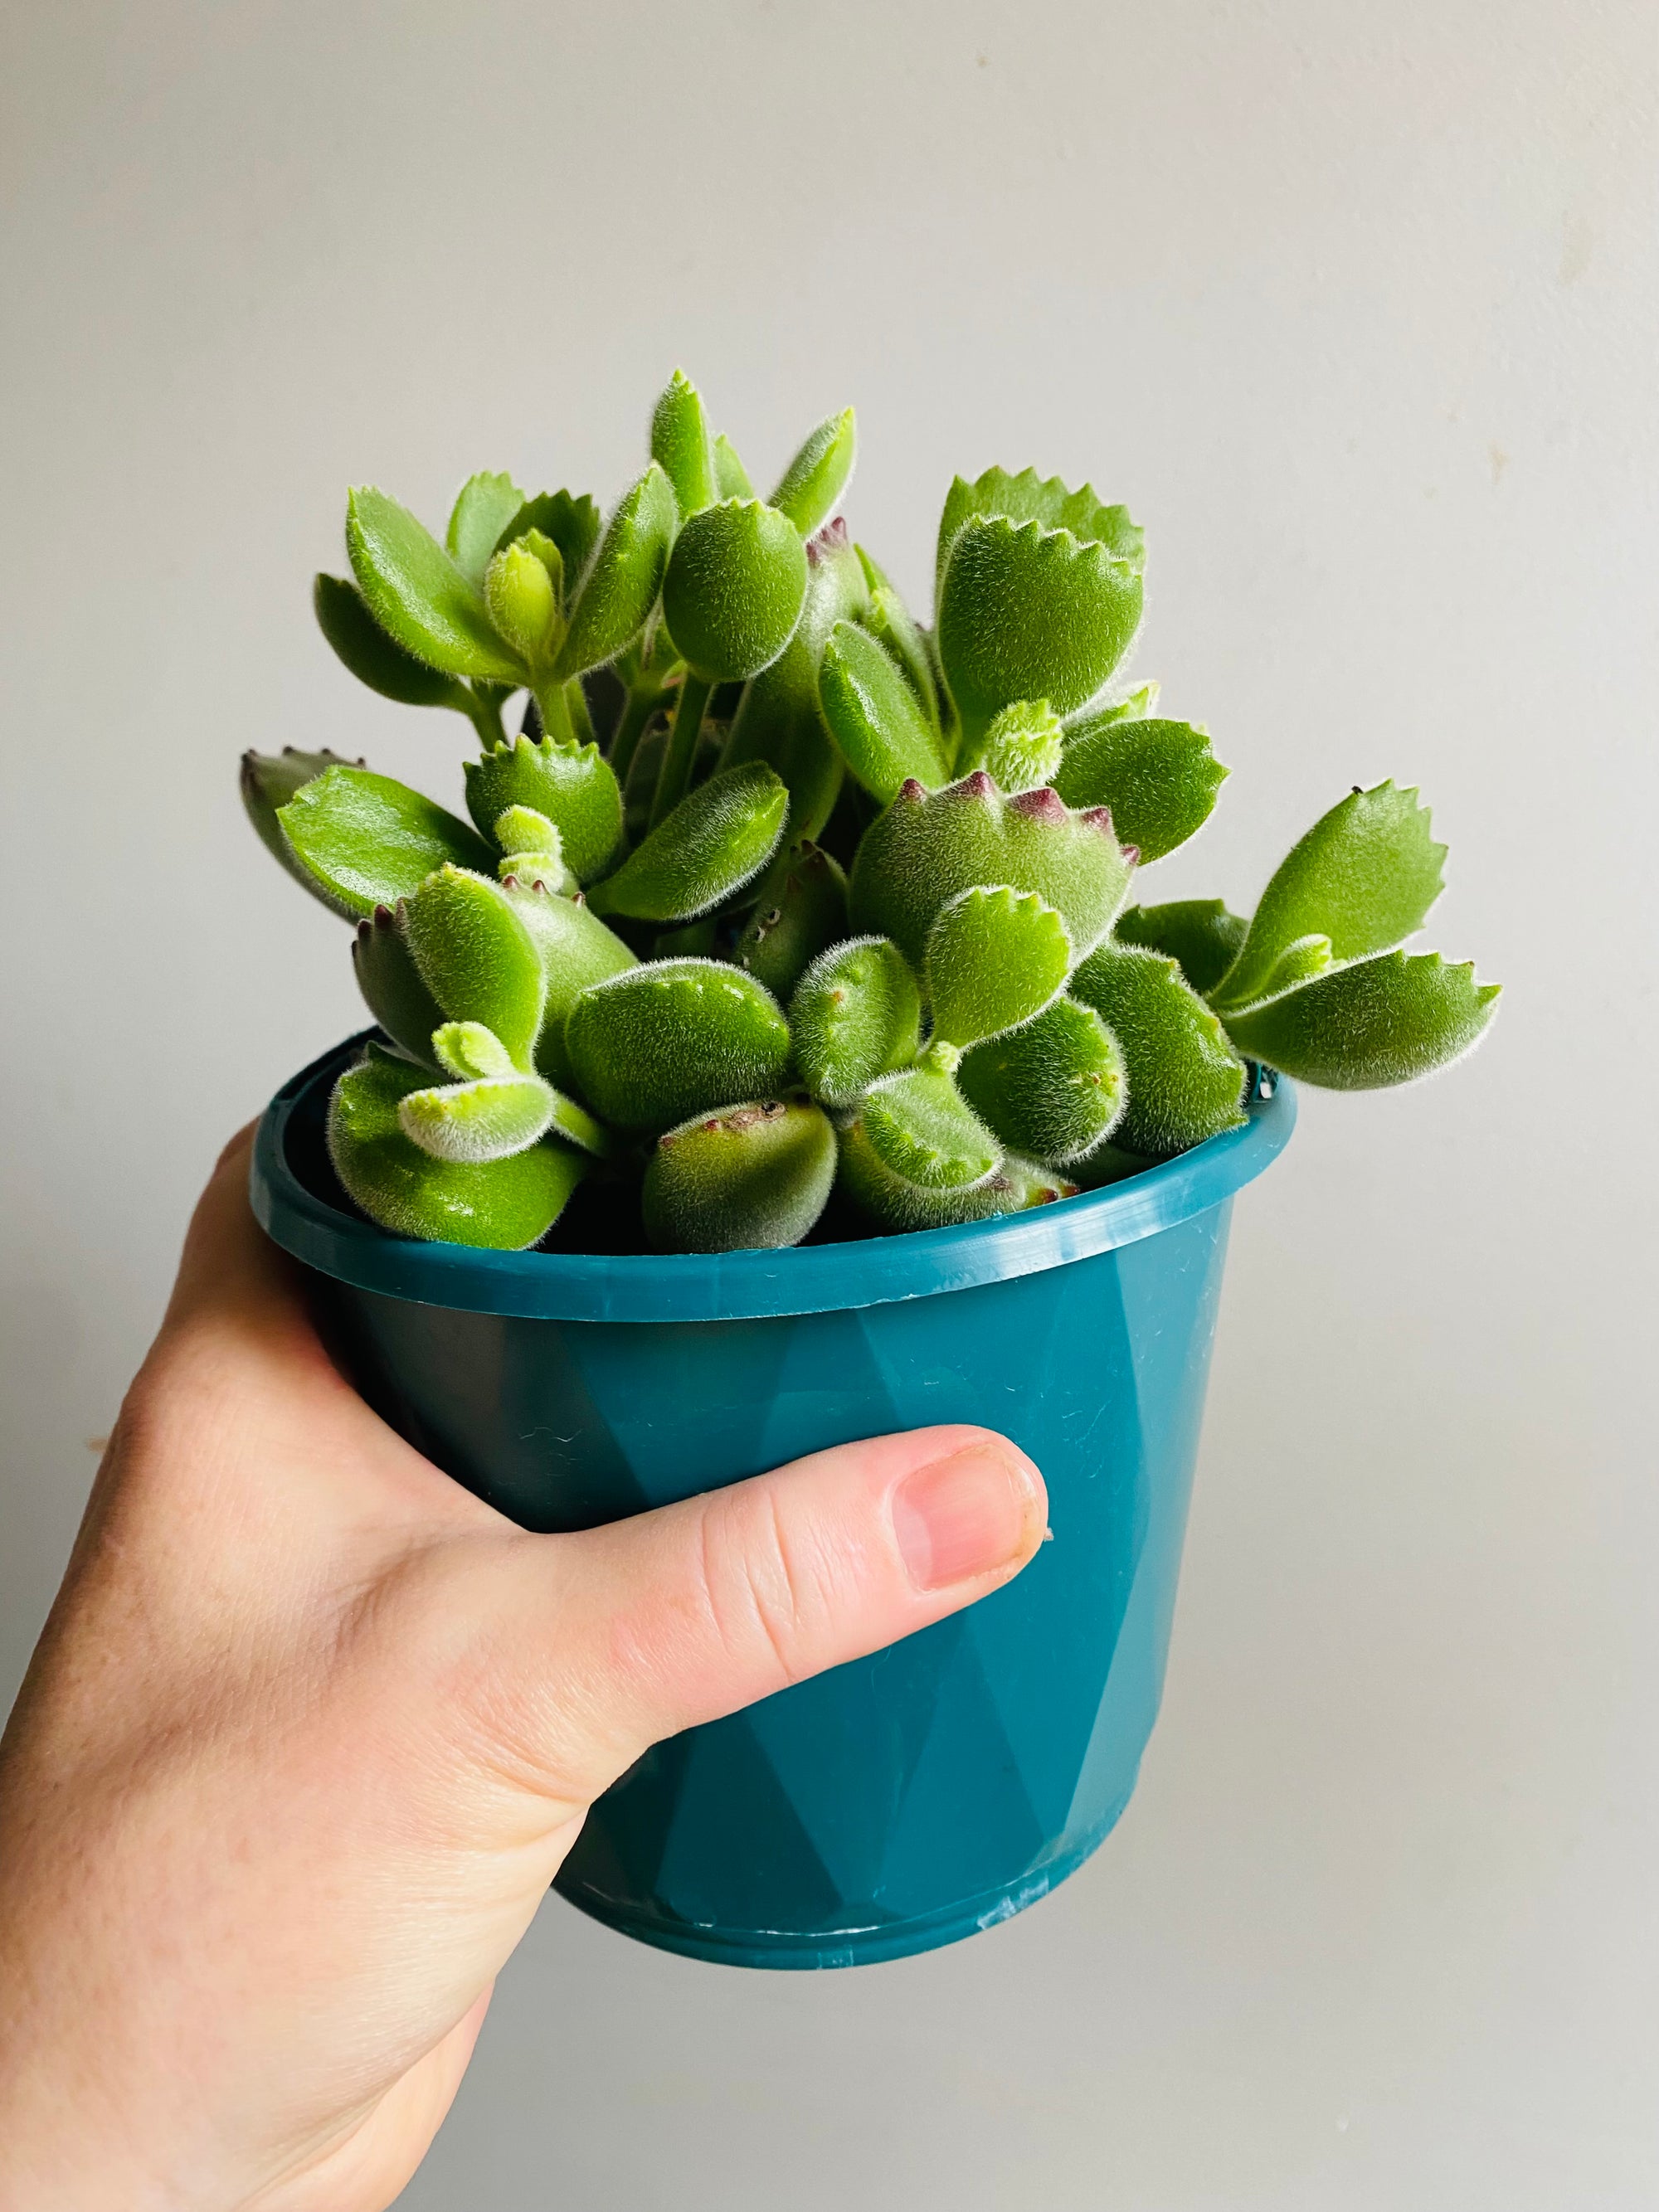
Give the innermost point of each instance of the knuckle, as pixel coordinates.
(758, 1592)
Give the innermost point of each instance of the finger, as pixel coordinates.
(619, 1637)
(240, 1427)
(229, 1264)
(237, 1338)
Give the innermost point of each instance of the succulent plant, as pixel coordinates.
(782, 914)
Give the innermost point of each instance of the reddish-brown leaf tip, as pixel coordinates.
(1042, 804)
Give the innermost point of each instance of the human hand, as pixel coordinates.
(311, 1728)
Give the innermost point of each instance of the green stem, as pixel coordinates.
(485, 717)
(675, 781)
(555, 712)
(575, 700)
(641, 703)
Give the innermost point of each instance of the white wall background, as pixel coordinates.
(1357, 306)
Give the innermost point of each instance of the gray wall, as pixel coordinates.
(1356, 306)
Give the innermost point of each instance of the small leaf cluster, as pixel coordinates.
(782, 914)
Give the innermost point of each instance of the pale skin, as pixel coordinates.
(311, 1728)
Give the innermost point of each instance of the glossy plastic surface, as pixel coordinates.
(946, 1783)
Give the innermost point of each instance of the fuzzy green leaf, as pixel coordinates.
(374, 658)
(753, 1178)
(1025, 746)
(801, 908)
(483, 507)
(1134, 707)
(809, 489)
(875, 717)
(392, 987)
(470, 1052)
(1359, 883)
(734, 589)
(891, 623)
(491, 1111)
(643, 775)
(708, 846)
(1052, 1091)
(416, 594)
(1025, 614)
(730, 477)
(923, 1130)
(856, 1015)
(1028, 497)
(490, 1118)
(1200, 933)
(1374, 1023)
(573, 524)
(682, 444)
(778, 718)
(268, 781)
(876, 577)
(1160, 778)
(368, 841)
(572, 785)
(614, 600)
(928, 848)
(996, 958)
(895, 1205)
(477, 957)
(534, 853)
(539, 870)
(501, 1205)
(576, 949)
(523, 587)
(794, 742)
(525, 831)
(653, 1047)
(1186, 1082)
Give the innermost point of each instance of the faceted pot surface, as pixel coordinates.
(908, 1798)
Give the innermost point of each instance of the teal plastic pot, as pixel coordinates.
(908, 1799)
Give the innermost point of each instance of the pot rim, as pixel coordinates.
(713, 1286)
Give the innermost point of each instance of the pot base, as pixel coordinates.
(787, 1951)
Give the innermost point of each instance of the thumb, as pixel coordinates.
(623, 1635)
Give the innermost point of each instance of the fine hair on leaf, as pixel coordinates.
(774, 907)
